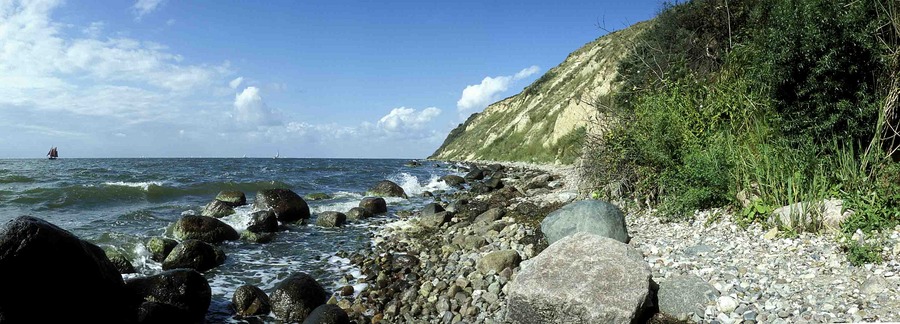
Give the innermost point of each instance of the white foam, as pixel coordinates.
(142, 185)
(342, 207)
(142, 260)
(240, 219)
(413, 187)
(347, 194)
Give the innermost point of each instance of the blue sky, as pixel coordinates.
(361, 79)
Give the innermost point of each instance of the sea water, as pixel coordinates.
(121, 203)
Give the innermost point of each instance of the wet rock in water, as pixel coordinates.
(206, 229)
(331, 219)
(150, 312)
(120, 261)
(498, 260)
(263, 221)
(318, 196)
(347, 290)
(286, 204)
(592, 216)
(375, 205)
(413, 164)
(427, 194)
(453, 180)
(260, 238)
(296, 296)
(194, 254)
(184, 289)
(49, 275)
(474, 174)
(249, 300)
(160, 247)
(358, 213)
(431, 209)
(217, 209)
(684, 296)
(435, 220)
(561, 284)
(387, 188)
(233, 198)
(327, 314)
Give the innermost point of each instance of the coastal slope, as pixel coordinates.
(548, 120)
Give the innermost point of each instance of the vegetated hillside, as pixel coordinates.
(548, 120)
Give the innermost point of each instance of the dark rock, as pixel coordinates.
(494, 168)
(494, 183)
(413, 164)
(358, 213)
(475, 174)
(217, 209)
(260, 238)
(498, 260)
(49, 275)
(331, 219)
(327, 314)
(249, 300)
(233, 198)
(160, 247)
(405, 261)
(347, 290)
(527, 209)
(480, 188)
(296, 297)
(436, 219)
(431, 209)
(592, 216)
(540, 181)
(453, 180)
(685, 295)
(206, 229)
(263, 221)
(318, 196)
(184, 289)
(490, 216)
(150, 312)
(286, 204)
(582, 278)
(375, 205)
(427, 194)
(194, 254)
(120, 261)
(387, 188)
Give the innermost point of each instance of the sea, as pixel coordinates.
(119, 204)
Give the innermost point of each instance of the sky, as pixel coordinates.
(305, 79)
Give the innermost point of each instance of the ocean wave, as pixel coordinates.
(16, 179)
(413, 187)
(143, 185)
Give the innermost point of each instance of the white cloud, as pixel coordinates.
(477, 97)
(94, 29)
(144, 7)
(250, 110)
(236, 82)
(407, 119)
(170, 22)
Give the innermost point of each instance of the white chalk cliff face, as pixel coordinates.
(547, 121)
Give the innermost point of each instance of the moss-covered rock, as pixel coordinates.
(206, 229)
(233, 198)
(286, 204)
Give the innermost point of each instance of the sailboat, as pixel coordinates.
(53, 154)
(277, 154)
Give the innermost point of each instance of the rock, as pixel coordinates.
(726, 304)
(233, 198)
(527, 209)
(296, 297)
(427, 194)
(327, 314)
(498, 260)
(474, 174)
(494, 183)
(160, 247)
(331, 219)
(431, 209)
(194, 254)
(435, 220)
(120, 261)
(263, 221)
(683, 296)
(347, 290)
(592, 216)
(375, 205)
(771, 234)
(249, 300)
(490, 216)
(217, 209)
(453, 180)
(49, 275)
(184, 289)
(286, 204)
(206, 229)
(413, 164)
(358, 213)
(317, 196)
(260, 238)
(582, 278)
(404, 261)
(151, 312)
(540, 181)
(829, 211)
(387, 188)
(874, 285)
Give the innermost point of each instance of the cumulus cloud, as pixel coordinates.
(236, 82)
(407, 119)
(250, 110)
(478, 96)
(144, 7)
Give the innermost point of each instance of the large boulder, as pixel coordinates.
(49, 275)
(327, 314)
(498, 260)
(206, 229)
(387, 188)
(217, 209)
(375, 205)
(453, 180)
(592, 216)
(829, 211)
(474, 174)
(232, 198)
(263, 221)
(194, 254)
(249, 300)
(582, 278)
(160, 247)
(296, 297)
(331, 219)
(184, 289)
(431, 209)
(490, 216)
(286, 204)
(685, 296)
(358, 213)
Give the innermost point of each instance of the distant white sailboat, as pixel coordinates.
(277, 154)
